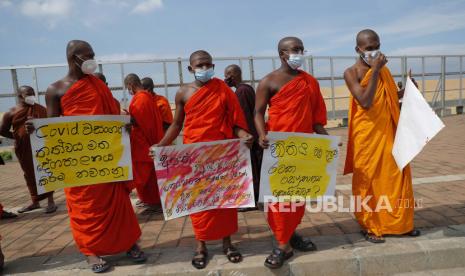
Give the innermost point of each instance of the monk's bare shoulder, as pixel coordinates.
(185, 92)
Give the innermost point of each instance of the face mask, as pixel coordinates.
(30, 100)
(295, 60)
(204, 75)
(88, 66)
(369, 55)
(229, 82)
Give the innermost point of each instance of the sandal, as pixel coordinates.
(302, 244)
(28, 209)
(51, 209)
(100, 267)
(136, 255)
(277, 258)
(199, 260)
(8, 215)
(233, 255)
(413, 233)
(372, 237)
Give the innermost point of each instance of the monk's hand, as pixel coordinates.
(379, 61)
(152, 151)
(248, 140)
(413, 79)
(128, 127)
(400, 93)
(29, 126)
(264, 142)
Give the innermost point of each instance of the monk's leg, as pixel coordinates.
(231, 252)
(199, 260)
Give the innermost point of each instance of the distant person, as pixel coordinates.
(246, 96)
(13, 127)
(147, 130)
(161, 102)
(374, 114)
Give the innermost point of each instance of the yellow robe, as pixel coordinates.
(369, 158)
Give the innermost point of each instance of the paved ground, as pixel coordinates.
(439, 174)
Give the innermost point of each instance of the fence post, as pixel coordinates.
(333, 101)
(36, 85)
(461, 82)
(310, 65)
(443, 86)
(165, 78)
(125, 96)
(252, 72)
(14, 79)
(404, 70)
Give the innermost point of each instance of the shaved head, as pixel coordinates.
(233, 68)
(132, 80)
(285, 43)
(200, 54)
(26, 90)
(148, 84)
(77, 47)
(366, 35)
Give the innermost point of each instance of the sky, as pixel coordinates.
(36, 31)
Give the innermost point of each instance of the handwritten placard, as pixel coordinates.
(80, 150)
(298, 165)
(204, 176)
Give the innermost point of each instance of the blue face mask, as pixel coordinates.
(204, 75)
(295, 60)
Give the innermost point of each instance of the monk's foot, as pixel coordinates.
(51, 208)
(277, 258)
(413, 233)
(302, 244)
(199, 260)
(136, 254)
(372, 237)
(233, 255)
(8, 215)
(97, 264)
(29, 208)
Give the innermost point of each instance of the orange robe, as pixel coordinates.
(296, 107)
(369, 158)
(211, 114)
(147, 131)
(23, 146)
(101, 216)
(165, 108)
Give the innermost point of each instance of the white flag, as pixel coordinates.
(418, 124)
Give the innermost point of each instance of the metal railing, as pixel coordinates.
(172, 73)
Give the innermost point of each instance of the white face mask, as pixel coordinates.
(295, 60)
(30, 100)
(88, 66)
(369, 55)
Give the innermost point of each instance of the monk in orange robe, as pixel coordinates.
(15, 120)
(102, 219)
(373, 116)
(147, 130)
(295, 105)
(209, 111)
(161, 102)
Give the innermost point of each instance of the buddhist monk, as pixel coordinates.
(209, 111)
(147, 130)
(102, 219)
(13, 127)
(161, 102)
(246, 96)
(373, 116)
(295, 105)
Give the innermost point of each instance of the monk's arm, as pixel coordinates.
(364, 96)
(178, 120)
(52, 101)
(6, 125)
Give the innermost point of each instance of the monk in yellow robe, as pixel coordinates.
(384, 193)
